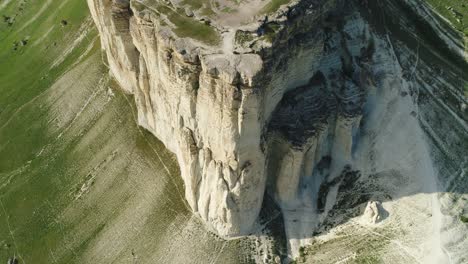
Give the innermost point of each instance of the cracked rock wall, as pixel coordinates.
(201, 106)
(208, 107)
(264, 117)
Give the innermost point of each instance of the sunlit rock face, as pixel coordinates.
(209, 106)
(204, 107)
(292, 109)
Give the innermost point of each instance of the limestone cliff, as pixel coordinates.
(274, 104)
(209, 106)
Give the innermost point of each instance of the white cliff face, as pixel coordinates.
(282, 116)
(202, 106)
(208, 107)
(113, 16)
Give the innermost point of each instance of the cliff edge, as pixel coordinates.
(267, 96)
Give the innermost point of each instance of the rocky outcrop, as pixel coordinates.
(275, 105)
(208, 107)
(374, 212)
(202, 106)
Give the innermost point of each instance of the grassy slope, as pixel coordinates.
(79, 181)
(455, 11)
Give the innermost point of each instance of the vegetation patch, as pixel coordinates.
(187, 27)
(243, 37)
(464, 218)
(270, 30)
(455, 11)
(273, 6)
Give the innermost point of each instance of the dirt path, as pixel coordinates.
(228, 41)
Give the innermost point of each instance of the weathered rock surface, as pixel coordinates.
(202, 106)
(373, 213)
(208, 107)
(276, 105)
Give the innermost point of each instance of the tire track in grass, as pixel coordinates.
(55, 63)
(44, 7)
